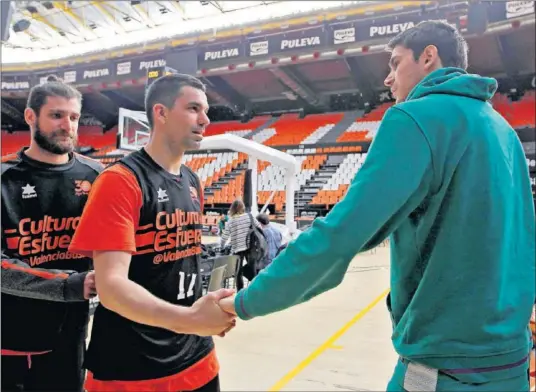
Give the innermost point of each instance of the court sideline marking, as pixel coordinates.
(327, 344)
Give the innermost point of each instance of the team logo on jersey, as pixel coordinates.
(42, 240)
(82, 187)
(28, 192)
(193, 193)
(162, 195)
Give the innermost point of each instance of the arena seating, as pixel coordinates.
(211, 167)
(222, 174)
(93, 136)
(518, 113)
(365, 128)
(236, 126)
(272, 179)
(263, 135)
(13, 142)
(338, 184)
(293, 131)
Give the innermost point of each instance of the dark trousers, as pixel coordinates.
(240, 270)
(59, 370)
(249, 271)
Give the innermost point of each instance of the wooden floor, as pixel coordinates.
(339, 341)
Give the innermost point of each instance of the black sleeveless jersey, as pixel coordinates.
(42, 282)
(166, 263)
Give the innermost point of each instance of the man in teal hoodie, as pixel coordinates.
(446, 178)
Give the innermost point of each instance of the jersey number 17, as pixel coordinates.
(182, 280)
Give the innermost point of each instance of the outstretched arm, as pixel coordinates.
(393, 181)
(107, 231)
(127, 298)
(21, 280)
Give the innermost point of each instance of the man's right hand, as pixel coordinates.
(90, 289)
(227, 304)
(207, 317)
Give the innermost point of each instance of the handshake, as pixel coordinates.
(213, 314)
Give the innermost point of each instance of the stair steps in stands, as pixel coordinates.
(311, 187)
(267, 124)
(321, 177)
(341, 127)
(209, 191)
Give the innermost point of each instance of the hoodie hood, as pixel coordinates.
(454, 81)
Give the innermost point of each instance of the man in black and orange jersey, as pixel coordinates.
(45, 288)
(142, 225)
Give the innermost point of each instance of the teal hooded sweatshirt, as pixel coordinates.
(446, 178)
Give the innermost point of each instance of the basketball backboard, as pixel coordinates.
(133, 130)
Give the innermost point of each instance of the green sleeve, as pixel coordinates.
(393, 181)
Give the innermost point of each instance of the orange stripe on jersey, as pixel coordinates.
(144, 252)
(41, 274)
(13, 242)
(22, 353)
(145, 239)
(9, 157)
(10, 231)
(189, 379)
(146, 227)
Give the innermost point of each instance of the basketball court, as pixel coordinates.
(337, 341)
(340, 340)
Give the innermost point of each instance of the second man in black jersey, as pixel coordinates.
(45, 288)
(142, 225)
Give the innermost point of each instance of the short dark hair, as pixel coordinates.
(451, 46)
(166, 89)
(263, 219)
(53, 87)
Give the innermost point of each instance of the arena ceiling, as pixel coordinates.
(342, 83)
(47, 28)
(504, 55)
(49, 24)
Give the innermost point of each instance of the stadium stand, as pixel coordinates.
(326, 172)
(280, 108)
(292, 131)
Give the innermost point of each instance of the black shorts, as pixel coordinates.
(58, 370)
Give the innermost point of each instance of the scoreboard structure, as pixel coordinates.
(155, 73)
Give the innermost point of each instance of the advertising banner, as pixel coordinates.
(286, 42)
(123, 68)
(183, 61)
(220, 51)
(515, 9)
(16, 82)
(137, 67)
(41, 77)
(69, 75)
(95, 73)
(344, 36)
(531, 163)
(342, 33)
(504, 10)
(391, 26)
